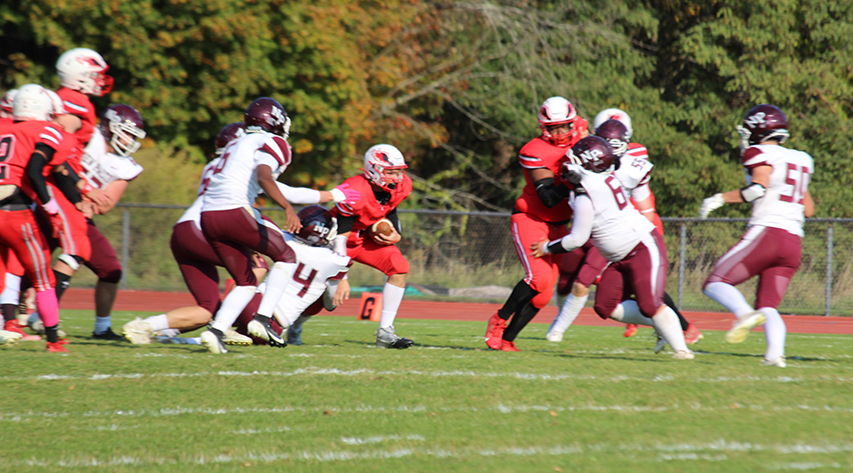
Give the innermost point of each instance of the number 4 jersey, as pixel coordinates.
(782, 204)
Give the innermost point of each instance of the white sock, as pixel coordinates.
(568, 313)
(561, 299)
(158, 322)
(277, 281)
(729, 297)
(170, 332)
(774, 332)
(234, 303)
(102, 324)
(392, 296)
(669, 327)
(12, 292)
(628, 312)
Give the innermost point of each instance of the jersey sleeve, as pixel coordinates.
(754, 157)
(127, 169)
(275, 153)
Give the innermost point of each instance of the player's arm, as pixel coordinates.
(395, 226)
(66, 181)
(642, 195)
(304, 195)
(581, 231)
(113, 193)
(808, 203)
(760, 179)
(549, 194)
(34, 171)
(268, 184)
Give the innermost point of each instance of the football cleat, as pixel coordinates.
(554, 336)
(630, 330)
(138, 332)
(507, 345)
(495, 331)
(741, 328)
(58, 346)
(108, 335)
(683, 355)
(661, 343)
(386, 338)
(692, 334)
(294, 335)
(14, 326)
(231, 337)
(213, 342)
(8, 338)
(778, 362)
(260, 327)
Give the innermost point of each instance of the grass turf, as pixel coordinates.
(596, 402)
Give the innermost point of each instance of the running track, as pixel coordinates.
(145, 301)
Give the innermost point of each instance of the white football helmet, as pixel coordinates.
(557, 111)
(32, 103)
(7, 101)
(380, 158)
(58, 106)
(84, 70)
(613, 114)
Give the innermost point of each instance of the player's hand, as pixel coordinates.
(100, 198)
(343, 193)
(389, 239)
(51, 206)
(538, 249)
(292, 224)
(86, 207)
(342, 293)
(710, 204)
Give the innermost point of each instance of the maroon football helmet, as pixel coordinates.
(122, 127)
(763, 122)
(592, 153)
(266, 114)
(319, 228)
(227, 134)
(616, 133)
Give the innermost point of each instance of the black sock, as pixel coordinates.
(525, 315)
(667, 299)
(62, 283)
(52, 333)
(10, 312)
(521, 294)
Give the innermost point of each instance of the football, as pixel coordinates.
(382, 227)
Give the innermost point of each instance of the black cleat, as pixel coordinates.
(261, 328)
(109, 335)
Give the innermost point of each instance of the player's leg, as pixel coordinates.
(72, 235)
(589, 267)
(395, 266)
(10, 296)
(772, 284)
(106, 266)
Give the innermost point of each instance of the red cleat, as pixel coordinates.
(630, 330)
(15, 326)
(692, 334)
(495, 331)
(58, 347)
(508, 346)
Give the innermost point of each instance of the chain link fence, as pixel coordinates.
(454, 253)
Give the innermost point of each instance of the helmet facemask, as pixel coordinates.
(125, 136)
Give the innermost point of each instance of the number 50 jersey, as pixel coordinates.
(782, 204)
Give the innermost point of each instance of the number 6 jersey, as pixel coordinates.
(782, 204)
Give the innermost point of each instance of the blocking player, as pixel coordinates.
(629, 241)
(6, 105)
(538, 214)
(778, 188)
(197, 260)
(383, 186)
(33, 147)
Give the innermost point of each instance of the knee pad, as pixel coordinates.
(541, 299)
(399, 263)
(73, 261)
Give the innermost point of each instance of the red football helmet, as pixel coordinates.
(557, 111)
(592, 153)
(266, 114)
(763, 122)
(319, 228)
(227, 134)
(616, 133)
(122, 127)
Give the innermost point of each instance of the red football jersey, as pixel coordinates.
(538, 153)
(78, 103)
(368, 210)
(17, 143)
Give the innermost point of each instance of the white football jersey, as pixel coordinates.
(234, 182)
(782, 204)
(100, 167)
(617, 226)
(194, 212)
(314, 266)
(633, 171)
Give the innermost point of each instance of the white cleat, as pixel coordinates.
(778, 362)
(212, 342)
(9, 338)
(741, 329)
(138, 332)
(231, 337)
(683, 355)
(554, 336)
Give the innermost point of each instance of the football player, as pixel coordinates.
(538, 214)
(777, 186)
(6, 106)
(630, 243)
(383, 186)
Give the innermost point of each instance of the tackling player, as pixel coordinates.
(778, 188)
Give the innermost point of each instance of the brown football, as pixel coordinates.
(382, 227)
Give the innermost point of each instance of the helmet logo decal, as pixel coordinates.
(591, 154)
(755, 120)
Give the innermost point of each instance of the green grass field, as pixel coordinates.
(596, 402)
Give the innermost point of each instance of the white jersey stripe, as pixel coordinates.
(522, 254)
